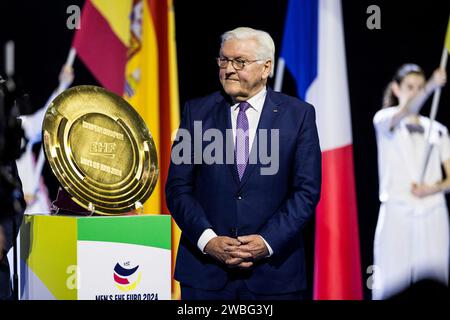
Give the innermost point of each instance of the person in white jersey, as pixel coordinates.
(412, 234)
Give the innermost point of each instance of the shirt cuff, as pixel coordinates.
(207, 235)
(268, 247)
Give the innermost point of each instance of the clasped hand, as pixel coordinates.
(237, 253)
(424, 190)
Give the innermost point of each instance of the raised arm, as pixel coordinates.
(415, 103)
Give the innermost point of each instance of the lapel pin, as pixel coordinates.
(275, 110)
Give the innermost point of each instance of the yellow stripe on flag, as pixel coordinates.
(447, 36)
(117, 13)
(142, 77)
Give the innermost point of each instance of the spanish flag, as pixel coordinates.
(129, 46)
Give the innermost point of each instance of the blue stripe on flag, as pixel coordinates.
(300, 41)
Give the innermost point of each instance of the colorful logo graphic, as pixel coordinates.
(126, 279)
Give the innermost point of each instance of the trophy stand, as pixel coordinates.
(64, 205)
(104, 158)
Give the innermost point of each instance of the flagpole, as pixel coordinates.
(61, 87)
(279, 75)
(9, 59)
(71, 57)
(434, 109)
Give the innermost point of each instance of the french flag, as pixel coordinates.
(313, 52)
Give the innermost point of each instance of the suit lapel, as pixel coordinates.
(223, 123)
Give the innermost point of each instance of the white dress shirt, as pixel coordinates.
(253, 114)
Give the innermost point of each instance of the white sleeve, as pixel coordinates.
(207, 235)
(382, 120)
(32, 125)
(444, 150)
(269, 248)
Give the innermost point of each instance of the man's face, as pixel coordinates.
(245, 83)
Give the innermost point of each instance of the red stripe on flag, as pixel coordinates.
(337, 268)
(159, 10)
(100, 49)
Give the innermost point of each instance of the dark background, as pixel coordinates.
(411, 31)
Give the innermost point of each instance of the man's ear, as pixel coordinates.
(267, 69)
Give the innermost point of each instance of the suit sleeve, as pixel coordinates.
(285, 226)
(10, 220)
(185, 209)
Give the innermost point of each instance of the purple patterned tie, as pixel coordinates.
(242, 139)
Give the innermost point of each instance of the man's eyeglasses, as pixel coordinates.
(238, 64)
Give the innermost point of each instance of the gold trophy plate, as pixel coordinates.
(100, 150)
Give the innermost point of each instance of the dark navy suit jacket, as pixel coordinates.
(201, 196)
(7, 221)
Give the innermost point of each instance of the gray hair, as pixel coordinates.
(266, 46)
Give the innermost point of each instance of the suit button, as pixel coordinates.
(238, 196)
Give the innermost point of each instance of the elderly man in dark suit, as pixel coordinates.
(240, 210)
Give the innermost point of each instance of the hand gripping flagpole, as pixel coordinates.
(434, 109)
